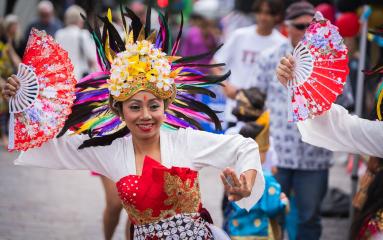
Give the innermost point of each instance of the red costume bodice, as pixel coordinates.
(159, 192)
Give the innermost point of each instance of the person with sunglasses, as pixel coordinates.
(298, 26)
(301, 167)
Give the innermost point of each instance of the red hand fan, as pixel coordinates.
(321, 68)
(47, 91)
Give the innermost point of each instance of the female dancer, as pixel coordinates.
(337, 130)
(155, 169)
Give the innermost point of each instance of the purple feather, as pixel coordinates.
(92, 99)
(109, 126)
(177, 42)
(189, 78)
(96, 83)
(162, 32)
(191, 70)
(95, 75)
(189, 112)
(176, 121)
(158, 41)
(97, 110)
(90, 94)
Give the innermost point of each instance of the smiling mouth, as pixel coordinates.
(145, 127)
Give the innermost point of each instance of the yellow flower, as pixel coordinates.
(136, 68)
(133, 59)
(141, 58)
(151, 75)
(114, 89)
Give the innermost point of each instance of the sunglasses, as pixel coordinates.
(299, 26)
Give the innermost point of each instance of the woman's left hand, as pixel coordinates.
(235, 188)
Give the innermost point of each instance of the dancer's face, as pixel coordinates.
(144, 114)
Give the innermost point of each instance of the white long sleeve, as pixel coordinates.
(62, 153)
(182, 148)
(339, 131)
(220, 151)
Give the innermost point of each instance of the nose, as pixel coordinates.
(146, 114)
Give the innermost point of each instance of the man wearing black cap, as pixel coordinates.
(302, 168)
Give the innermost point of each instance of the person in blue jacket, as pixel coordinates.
(259, 222)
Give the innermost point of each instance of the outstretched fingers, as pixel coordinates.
(236, 188)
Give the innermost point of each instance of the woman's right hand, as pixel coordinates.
(285, 69)
(11, 87)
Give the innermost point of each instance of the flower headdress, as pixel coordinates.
(144, 61)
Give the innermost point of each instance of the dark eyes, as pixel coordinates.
(152, 107)
(134, 107)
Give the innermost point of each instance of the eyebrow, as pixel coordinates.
(137, 100)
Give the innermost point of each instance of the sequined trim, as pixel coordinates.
(181, 226)
(183, 197)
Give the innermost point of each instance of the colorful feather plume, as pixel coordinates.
(91, 113)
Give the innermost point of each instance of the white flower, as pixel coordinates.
(160, 84)
(116, 73)
(121, 78)
(152, 79)
(170, 80)
(115, 92)
(31, 131)
(49, 92)
(323, 31)
(38, 105)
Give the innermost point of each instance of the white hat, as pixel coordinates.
(207, 8)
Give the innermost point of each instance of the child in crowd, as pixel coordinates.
(253, 122)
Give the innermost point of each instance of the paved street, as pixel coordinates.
(40, 204)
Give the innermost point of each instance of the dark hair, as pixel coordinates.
(256, 97)
(250, 104)
(244, 6)
(196, 16)
(115, 106)
(373, 204)
(276, 6)
(250, 130)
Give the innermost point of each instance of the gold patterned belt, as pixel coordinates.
(179, 226)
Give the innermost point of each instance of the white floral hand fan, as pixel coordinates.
(321, 68)
(43, 102)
